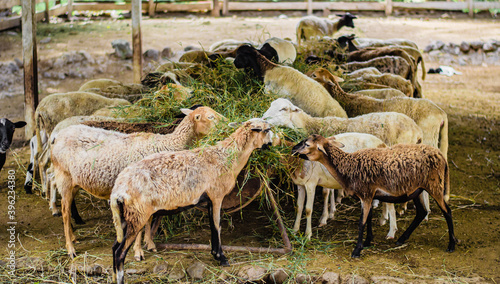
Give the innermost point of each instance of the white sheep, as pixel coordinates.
(396, 174)
(312, 26)
(361, 42)
(175, 181)
(92, 158)
(288, 82)
(283, 49)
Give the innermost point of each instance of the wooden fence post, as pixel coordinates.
(30, 66)
(388, 7)
(309, 7)
(137, 40)
(470, 4)
(47, 11)
(151, 8)
(70, 9)
(225, 7)
(215, 8)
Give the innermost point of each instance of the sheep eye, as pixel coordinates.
(284, 109)
(211, 117)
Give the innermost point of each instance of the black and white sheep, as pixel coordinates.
(396, 174)
(7, 129)
(312, 26)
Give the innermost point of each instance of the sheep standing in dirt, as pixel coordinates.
(175, 181)
(396, 174)
(312, 26)
(92, 158)
(290, 83)
(7, 129)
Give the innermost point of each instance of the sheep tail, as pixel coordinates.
(422, 64)
(116, 205)
(446, 183)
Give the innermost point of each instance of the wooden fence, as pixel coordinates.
(225, 6)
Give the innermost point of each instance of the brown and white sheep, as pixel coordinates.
(175, 181)
(92, 158)
(396, 174)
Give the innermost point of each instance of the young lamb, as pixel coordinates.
(311, 174)
(170, 182)
(312, 26)
(396, 174)
(431, 118)
(92, 158)
(290, 83)
(7, 129)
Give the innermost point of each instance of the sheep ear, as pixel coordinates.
(234, 124)
(186, 111)
(337, 144)
(19, 124)
(321, 149)
(338, 79)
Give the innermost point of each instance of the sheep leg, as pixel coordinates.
(369, 230)
(390, 213)
(424, 197)
(333, 207)
(120, 251)
(419, 217)
(74, 213)
(150, 231)
(138, 252)
(449, 221)
(214, 213)
(324, 216)
(67, 197)
(301, 195)
(340, 195)
(310, 191)
(53, 198)
(366, 207)
(28, 183)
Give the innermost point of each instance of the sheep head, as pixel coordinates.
(282, 113)
(313, 148)
(253, 134)
(204, 119)
(7, 128)
(347, 19)
(246, 57)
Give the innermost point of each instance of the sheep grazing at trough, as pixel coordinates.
(288, 82)
(391, 127)
(228, 45)
(429, 117)
(311, 174)
(312, 26)
(92, 158)
(390, 80)
(56, 107)
(345, 42)
(396, 174)
(7, 129)
(174, 181)
(114, 89)
(278, 50)
(385, 64)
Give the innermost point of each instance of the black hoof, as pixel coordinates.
(57, 214)
(79, 221)
(355, 255)
(399, 243)
(367, 244)
(27, 188)
(224, 263)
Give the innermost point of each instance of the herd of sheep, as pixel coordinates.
(385, 141)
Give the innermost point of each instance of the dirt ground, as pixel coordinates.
(472, 101)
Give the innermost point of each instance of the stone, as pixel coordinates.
(301, 278)
(386, 280)
(488, 47)
(464, 47)
(46, 40)
(196, 270)
(253, 273)
(19, 62)
(476, 45)
(329, 278)
(135, 271)
(462, 60)
(151, 55)
(176, 275)
(277, 277)
(58, 63)
(35, 263)
(160, 268)
(282, 17)
(12, 67)
(354, 279)
(122, 48)
(167, 52)
(87, 57)
(429, 48)
(439, 44)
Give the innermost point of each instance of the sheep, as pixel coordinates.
(114, 89)
(429, 117)
(56, 107)
(284, 50)
(174, 181)
(390, 80)
(385, 93)
(312, 26)
(288, 82)
(228, 45)
(390, 127)
(385, 64)
(7, 129)
(93, 158)
(396, 174)
(178, 92)
(360, 72)
(311, 174)
(374, 42)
